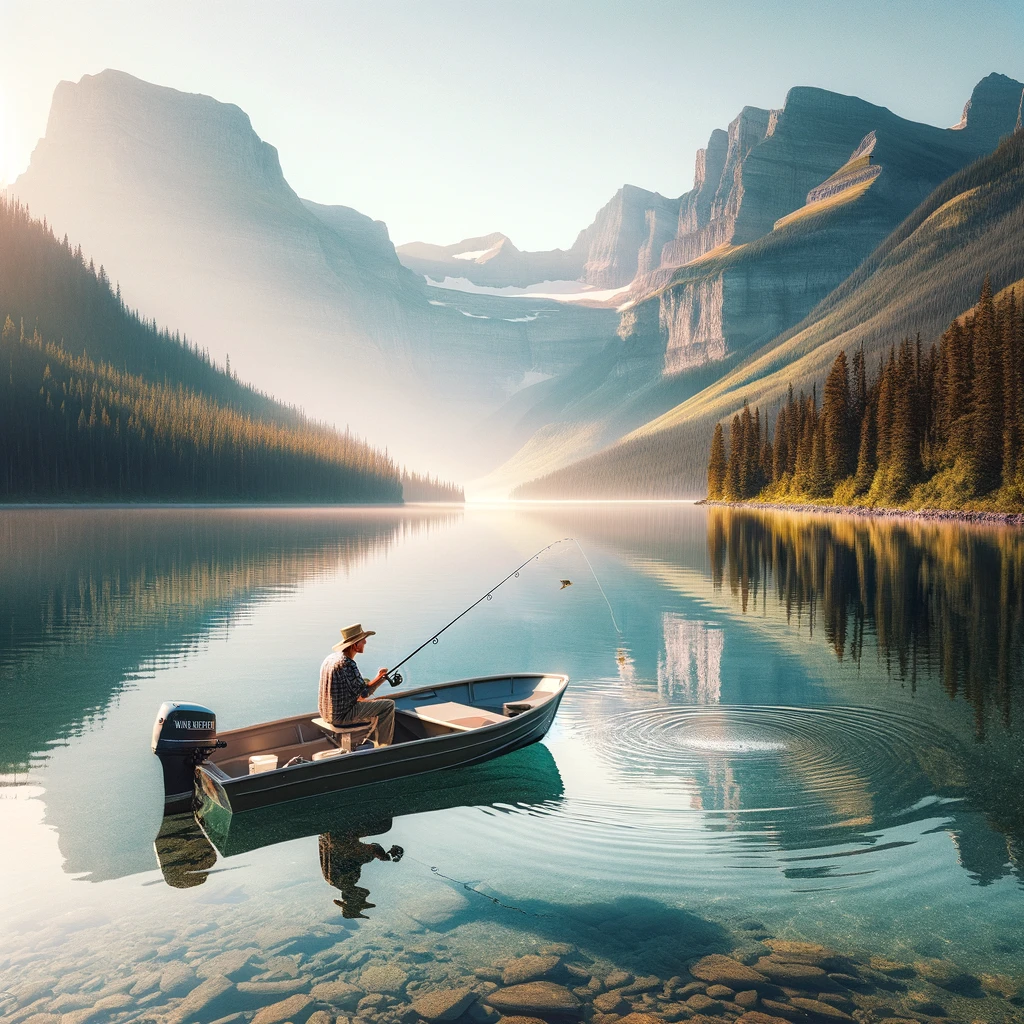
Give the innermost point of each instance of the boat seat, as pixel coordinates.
(458, 716)
(347, 737)
(517, 707)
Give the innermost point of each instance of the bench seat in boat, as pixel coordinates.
(457, 716)
(345, 736)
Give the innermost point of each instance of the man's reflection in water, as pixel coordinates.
(342, 856)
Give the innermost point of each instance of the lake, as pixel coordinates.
(780, 729)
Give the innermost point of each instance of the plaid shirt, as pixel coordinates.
(341, 686)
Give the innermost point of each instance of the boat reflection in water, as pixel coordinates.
(187, 845)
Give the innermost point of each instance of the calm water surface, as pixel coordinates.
(804, 727)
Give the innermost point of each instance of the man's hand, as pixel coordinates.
(377, 679)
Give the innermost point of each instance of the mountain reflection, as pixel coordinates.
(936, 600)
(691, 667)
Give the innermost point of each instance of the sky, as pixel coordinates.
(452, 119)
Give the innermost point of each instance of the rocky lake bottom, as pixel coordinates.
(479, 971)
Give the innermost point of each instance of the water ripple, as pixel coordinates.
(723, 790)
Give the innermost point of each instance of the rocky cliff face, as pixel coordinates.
(787, 203)
(188, 209)
(627, 237)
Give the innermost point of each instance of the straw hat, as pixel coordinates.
(352, 635)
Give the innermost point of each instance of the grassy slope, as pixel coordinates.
(926, 272)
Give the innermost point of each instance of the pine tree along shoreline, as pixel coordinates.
(934, 432)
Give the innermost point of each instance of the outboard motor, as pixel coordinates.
(183, 736)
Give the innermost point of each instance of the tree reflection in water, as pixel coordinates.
(946, 600)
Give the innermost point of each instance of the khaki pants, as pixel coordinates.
(379, 710)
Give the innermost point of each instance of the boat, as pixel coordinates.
(446, 725)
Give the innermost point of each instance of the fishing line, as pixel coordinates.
(598, 582)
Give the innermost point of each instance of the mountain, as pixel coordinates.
(805, 193)
(625, 239)
(786, 205)
(925, 273)
(188, 210)
(97, 404)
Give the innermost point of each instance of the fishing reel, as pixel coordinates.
(395, 678)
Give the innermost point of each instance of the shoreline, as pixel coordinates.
(923, 515)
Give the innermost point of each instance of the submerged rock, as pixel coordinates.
(640, 1018)
(387, 978)
(756, 1017)
(539, 998)
(285, 987)
(817, 1008)
(780, 1009)
(719, 992)
(227, 963)
(338, 993)
(947, 975)
(199, 999)
(645, 984)
(444, 1004)
(610, 1002)
(799, 975)
(701, 1003)
(529, 968)
(723, 970)
(283, 1010)
(177, 978)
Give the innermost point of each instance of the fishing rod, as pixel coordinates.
(395, 678)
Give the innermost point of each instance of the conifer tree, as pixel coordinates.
(747, 463)
(904, 454)
(986, 396)
(765, 469)
(860, 386)
(717, 465)
(795, 425)
(836, 421)
(805, 446)
(1013, 388)
(819, 484)
(752, 454)
(954, 416)
(883, 418)
(780, 452)
(865, 472)
(733, 489)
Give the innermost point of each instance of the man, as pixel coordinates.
(345, 697)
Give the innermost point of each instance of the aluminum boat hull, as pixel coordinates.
(219, 780)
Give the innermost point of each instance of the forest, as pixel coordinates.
(423, 487)
(98, 404)
(939, 429)
(72, 427)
